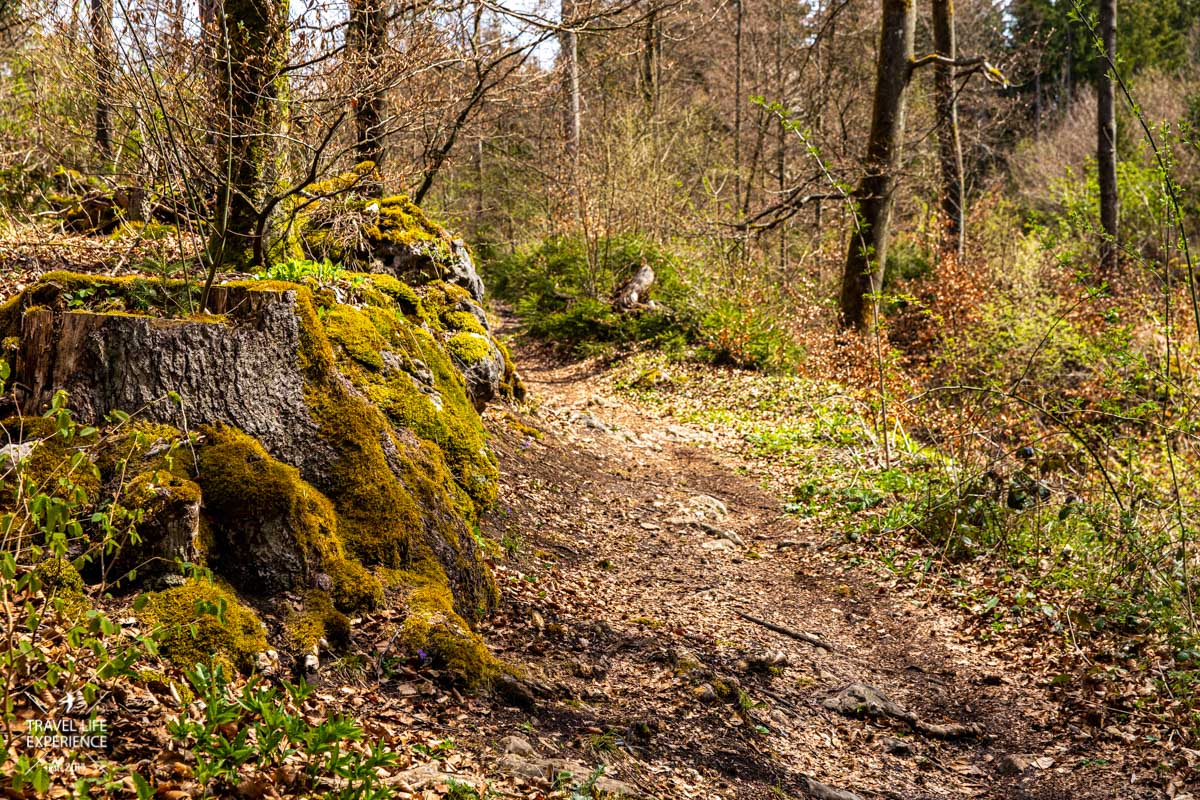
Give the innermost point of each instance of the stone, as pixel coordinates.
(515, 745)
(897, 747)
(1013, 764)
(719, 545)
(704, 505)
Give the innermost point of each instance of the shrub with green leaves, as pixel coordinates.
(560, 287)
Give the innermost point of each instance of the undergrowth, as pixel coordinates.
(562, 289)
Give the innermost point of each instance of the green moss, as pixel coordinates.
(354, 332)
(189, 633)
(433, 627)
(511, 385)
(463, 321)
(145, 491)
(520, 427)
(162, 683)
(62, 469)
(10, 317)
(354, 588)
(59, 577)
(24, 429)
(343, 183)
(402, 221)
(469, 348)
(445, 419)
(318, 619)
(243, 486)
(145, 447)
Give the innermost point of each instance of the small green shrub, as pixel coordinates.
(235, 736)
(739, 335)
(300, 270)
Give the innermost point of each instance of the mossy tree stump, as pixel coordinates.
(338, 440)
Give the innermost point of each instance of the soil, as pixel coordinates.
(624, 617)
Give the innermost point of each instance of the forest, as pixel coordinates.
(585, 399)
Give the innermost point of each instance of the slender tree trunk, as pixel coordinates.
(250, 92)
(366, 38)
(874, 197)
(949, 144)
(569, 53)
(780, 132)
(737, 105)
(102, 53)
(650, 58)
(1106, 150)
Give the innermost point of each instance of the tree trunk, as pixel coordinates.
(651, 43)
(737, 105)
(103, 53)
(367, 37)
(1106, 150)
(949, 144)
(569, 53)
(634, 291)
(250, 93)
(874, 196)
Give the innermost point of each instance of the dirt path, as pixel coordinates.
(621, 596)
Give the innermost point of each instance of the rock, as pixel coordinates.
(462, 271)
(421, 777)
(12, 454)
(705, 693)
(1013, 764)
(765, 661)
(897, 747)
(721, 533)
(719, 545)
(514, 691)
(820, 791)
(515, 745)
(588, 420)
(545, 772)
(703, 505)
(529, 769)
(485, 374)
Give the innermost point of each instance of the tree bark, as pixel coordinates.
(104, 56)
(949, 143)
(367, 38)
(1106, 149)
(651, 42)
(250, 92)
(737, 105)
(569, 53)
(874, 196)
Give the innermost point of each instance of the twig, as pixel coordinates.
(808, 638)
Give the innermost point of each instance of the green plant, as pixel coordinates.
(59, 647)
(235, 735)
(300, 270)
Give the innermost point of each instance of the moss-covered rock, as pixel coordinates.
(272, 531)
(202, 621)
(305, 627)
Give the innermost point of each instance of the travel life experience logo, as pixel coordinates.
(67, 733)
